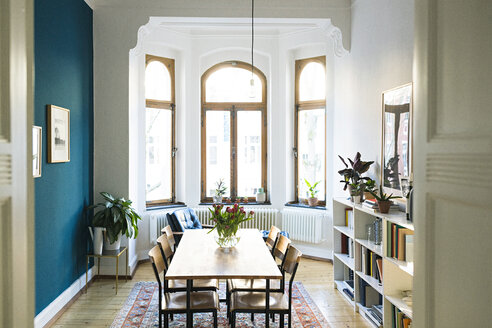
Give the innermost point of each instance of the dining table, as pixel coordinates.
(199, 257)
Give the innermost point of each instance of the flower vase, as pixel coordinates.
(217, 199)
(226, 239)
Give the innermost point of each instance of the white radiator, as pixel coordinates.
(264, 217)
(304, 225)
(157, 221)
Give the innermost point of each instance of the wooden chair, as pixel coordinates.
(173, 286)
(173, 303)
(259, 285)
(255, 302)
(272, 238)
(170, 237)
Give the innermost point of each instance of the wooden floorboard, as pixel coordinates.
(100, 305)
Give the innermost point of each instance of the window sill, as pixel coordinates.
(165, 207)
(301, 205)
(242, 204)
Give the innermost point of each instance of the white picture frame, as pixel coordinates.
(58, 134)
(37, 153)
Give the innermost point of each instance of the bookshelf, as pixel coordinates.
(355, 264)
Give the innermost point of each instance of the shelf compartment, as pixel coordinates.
(374, 283)
(344, 201)
(405, 266)
(397, 217)
(378, 249)
(363, 311)
(340, 285)
(398, 302)
(345, 230)
(345, 259)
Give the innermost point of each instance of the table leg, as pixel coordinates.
(189, 314)
(126, 270)
(117, 265)
(267, 304)
(98, 265)
(86, 273)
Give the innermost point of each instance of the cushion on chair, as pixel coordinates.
(266, 232)
(256, 301)
(183, 219)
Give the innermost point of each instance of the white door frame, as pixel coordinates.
(16, 181)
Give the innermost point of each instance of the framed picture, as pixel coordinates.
(396, 138)
(37, 140)
(58, 134)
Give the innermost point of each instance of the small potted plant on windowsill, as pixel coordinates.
(219, 191)
(384, 200)
(312, 200)
(118, 217)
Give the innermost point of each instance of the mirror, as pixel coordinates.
(397, 139)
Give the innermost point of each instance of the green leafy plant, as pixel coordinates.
(382, 197)
(117, 216)
(227, 220)
(370, 185)
(221, 188)
(353, 174)
(312, 188)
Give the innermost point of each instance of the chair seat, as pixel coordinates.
(198, 283)
(199, 301)
(256, 301)
(247, 284)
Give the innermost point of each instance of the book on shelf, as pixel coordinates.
(368, 296)
(374, 318)
(350, 284)
(379, 263)
(349, 218)
(378, 310)
(399, 320)
(397, 245)
(409, 248)
(369, 263)
(363, 260)
(351, 248)
(349, 293)
(344, 245)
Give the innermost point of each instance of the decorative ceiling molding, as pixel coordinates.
(268, 28)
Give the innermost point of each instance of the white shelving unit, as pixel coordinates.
(397, 275)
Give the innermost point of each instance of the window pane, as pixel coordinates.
(312, 82)
(157, 81)
(232, 84)
(248, 153)
(218, 151)
(311, 151)
(158, 158)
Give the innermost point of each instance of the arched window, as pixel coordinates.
(159, 120)
(310, 127)
(233, 131)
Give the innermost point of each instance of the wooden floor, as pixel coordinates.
(100, 305)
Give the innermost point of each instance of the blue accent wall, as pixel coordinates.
(63, 77)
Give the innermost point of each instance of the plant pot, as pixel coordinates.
(97, 236)
(114, 246)
(312, 201)
(260, 197)
(384, 206)
(217, 199)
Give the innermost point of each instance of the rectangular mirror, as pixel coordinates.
(397, 139)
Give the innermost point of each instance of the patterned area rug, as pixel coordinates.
(140, 310)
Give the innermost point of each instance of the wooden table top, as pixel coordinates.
(199, 257)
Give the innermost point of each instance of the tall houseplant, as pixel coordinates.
(118, 217)
(227, 221)
(352, 176)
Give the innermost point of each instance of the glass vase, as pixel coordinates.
(226, 240)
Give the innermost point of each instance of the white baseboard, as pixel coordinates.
(54, 307)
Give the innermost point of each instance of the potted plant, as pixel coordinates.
(219, 191)
(369, 185)
(118, 217)
(227, 221)
(312, 200)
(356, 192)
(352, 176)
(384, 200)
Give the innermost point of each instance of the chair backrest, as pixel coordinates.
(167, 252)
(170, 236)
(281, 247)
(291, 261)
(272, 236)
(157, 261)
(183, 219)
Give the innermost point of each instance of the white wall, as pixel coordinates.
(380, 58)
